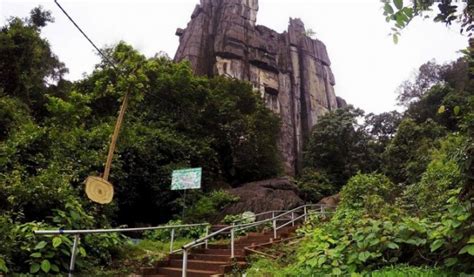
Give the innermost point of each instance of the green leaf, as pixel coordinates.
(457, 109)
(312, 262)
(45, 266)
(400, 20)
(467, 249)
(395, 38)
(36, 255)
(398, 4)
(75, 216)
(450, 262)
(40, 245)
(321, 260)
(3, 266)
(408, 12)
(392, 245)
(437, 244)
(441, 109)
(388, 8)
(34, 268)
(57, 242)
(54, 268)
(363, 256)
(336, 271)
(82, 251)
(471, 239)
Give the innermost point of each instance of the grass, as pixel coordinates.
(405, 270)
(131, 257)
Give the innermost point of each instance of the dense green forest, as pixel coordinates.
(405, 179)
(54, 133)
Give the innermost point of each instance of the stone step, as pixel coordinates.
(253, 240)
(255, 234)
(238, 244)
(207, 256)
(215, 257)
(216, 261)
(226, 251)
(217, 266)
(177, 272)
(218, 227)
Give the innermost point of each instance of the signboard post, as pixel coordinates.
(185, 179)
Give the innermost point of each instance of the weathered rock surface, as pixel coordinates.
(291, 70)
(262, 196)
(332, 200)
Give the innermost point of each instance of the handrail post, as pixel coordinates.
(232, 237)
(207, 233)
(305, 214)
(172, 240)
(185, 262)
(292, 218)
(73, 255)
(274, 228)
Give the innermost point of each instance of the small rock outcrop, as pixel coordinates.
(262, 196)
(332, 200)
(291, 70)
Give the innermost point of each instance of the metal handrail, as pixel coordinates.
(198, 242)
(78, 233)
(207, 237)
(116, 230)
(235, 227)
(290, 222)
(276, 211)
(257, 215)
(252, 224)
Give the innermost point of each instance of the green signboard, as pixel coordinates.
(184, 179)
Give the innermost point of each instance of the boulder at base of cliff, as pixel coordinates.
(332, 200)
(262, 196)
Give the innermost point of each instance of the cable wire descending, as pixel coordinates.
(84, 34)
(99, 189)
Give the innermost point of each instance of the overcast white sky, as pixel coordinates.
(367, 65)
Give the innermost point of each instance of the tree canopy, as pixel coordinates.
(400, 13)
(55, 133)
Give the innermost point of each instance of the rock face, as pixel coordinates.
(268, 195)
(291, 70)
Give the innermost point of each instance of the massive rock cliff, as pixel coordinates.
(291, 70)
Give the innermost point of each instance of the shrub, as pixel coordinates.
(21, 251)
(165, 234)
(243, 218)
(368, 191)
(442, 174)
(314, 185)
(408, 153)
(354, 244)
(209, 206)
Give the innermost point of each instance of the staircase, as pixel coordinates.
(216, 259)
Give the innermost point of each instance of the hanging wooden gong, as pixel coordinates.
(99, 189)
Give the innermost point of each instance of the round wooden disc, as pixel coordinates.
(99, 190)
